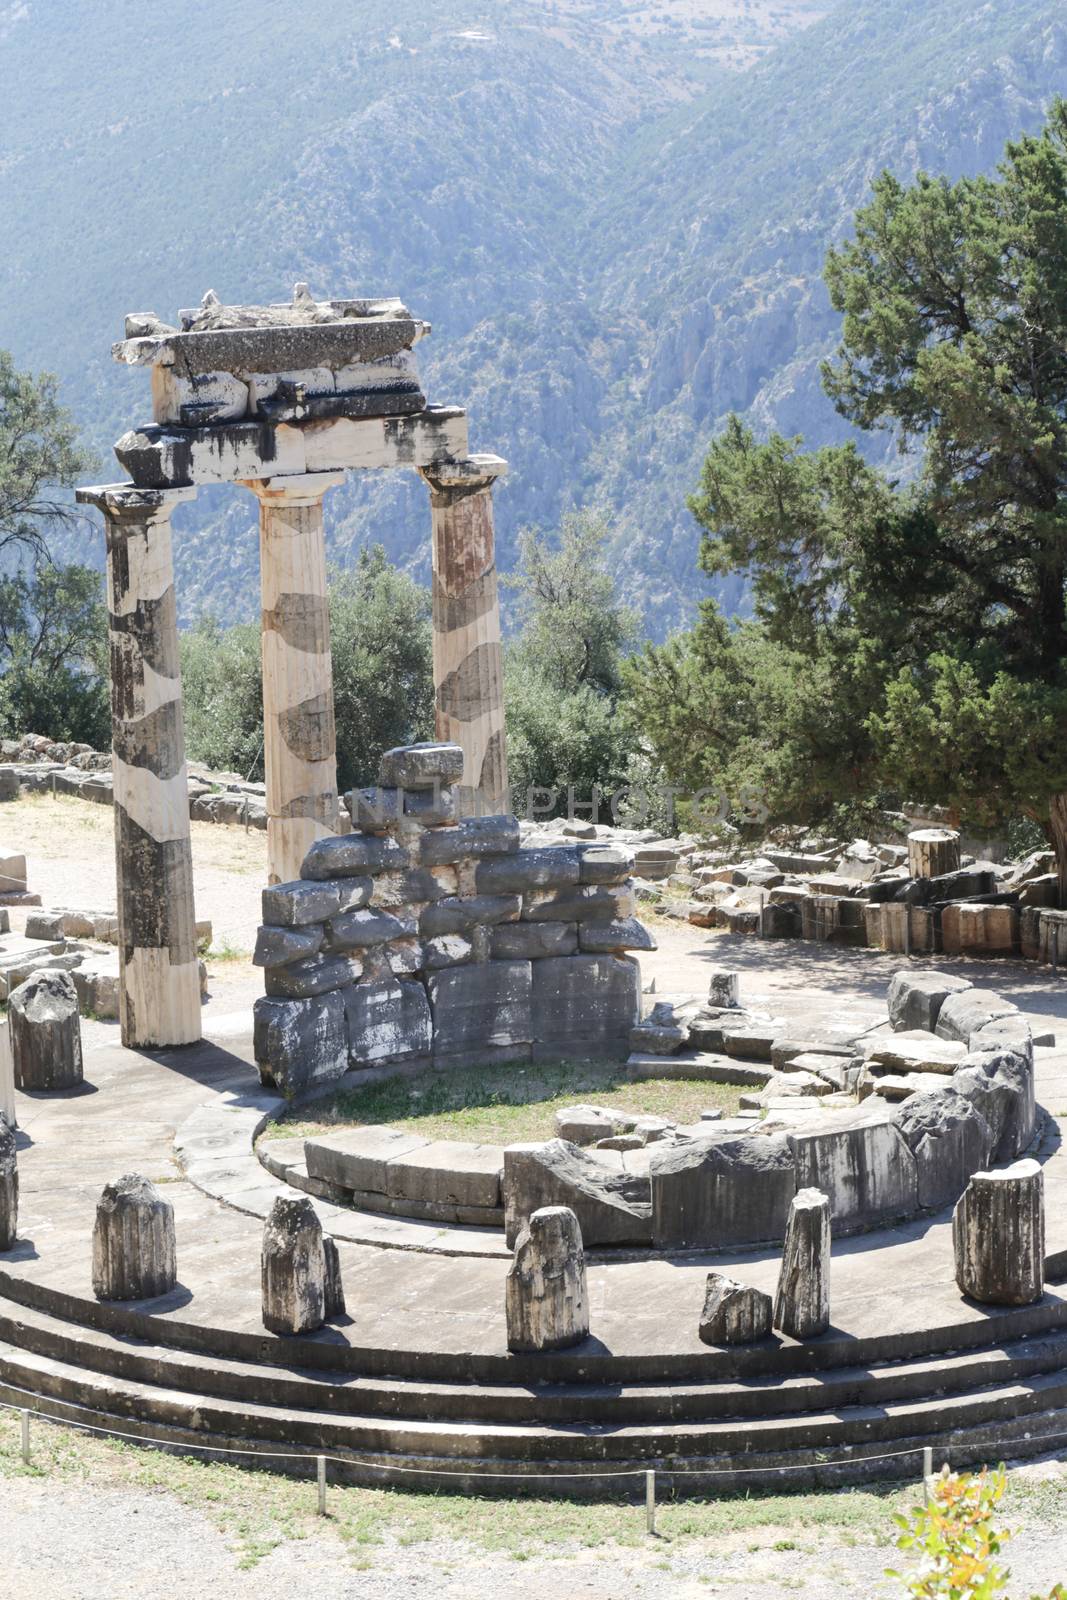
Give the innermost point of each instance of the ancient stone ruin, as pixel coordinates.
(421, 934)
(134, 1248)
(281, 400)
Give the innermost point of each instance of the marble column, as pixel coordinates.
(159, 981)
(298, 724)
(468, 668)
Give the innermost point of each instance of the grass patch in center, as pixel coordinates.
(507, 1104)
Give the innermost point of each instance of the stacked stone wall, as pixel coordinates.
(419, 936)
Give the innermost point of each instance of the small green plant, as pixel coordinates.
(957, 1540)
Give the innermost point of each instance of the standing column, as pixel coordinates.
(299, 737)
(468, 665)
(159, 981)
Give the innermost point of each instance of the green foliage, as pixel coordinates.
(563, 671)
(957, 1540)
(382, 676)
(39, 454)
(53, 655)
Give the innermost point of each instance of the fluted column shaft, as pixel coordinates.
(300, 755)
(468, 667)
(158, 967)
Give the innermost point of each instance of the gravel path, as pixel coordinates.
(74, 1542)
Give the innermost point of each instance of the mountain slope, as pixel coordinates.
(617, 239)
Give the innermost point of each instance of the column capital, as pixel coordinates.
(125, 501)
(469, 474)
(293, 489)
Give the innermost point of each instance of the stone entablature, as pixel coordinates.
(421, 937)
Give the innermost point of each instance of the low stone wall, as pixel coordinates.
(418, 936)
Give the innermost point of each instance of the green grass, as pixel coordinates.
(505, 1104)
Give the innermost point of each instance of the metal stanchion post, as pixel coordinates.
(650, 1502)
(321, 1473)
(26, 1437)
(928, 1472)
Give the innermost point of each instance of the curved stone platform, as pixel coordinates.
(416, 1380)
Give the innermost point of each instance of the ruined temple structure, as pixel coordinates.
(281, 400)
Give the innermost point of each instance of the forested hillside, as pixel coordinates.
(614, 215)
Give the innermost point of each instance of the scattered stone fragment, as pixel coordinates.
(998, 1236)
(916, 998)
(586, 1124)
(734, 1313)
(134, 1254)
(293, 1267)
(802, 1300)
(45, 1027)
(724, 988)
(9, 1185)
(546, 1300)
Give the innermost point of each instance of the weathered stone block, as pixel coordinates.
(546, 1301)
(979, 929)
(802, 1300)
(585, 1004)
(601, 863)
(293, 1268)
(865, 1169)
(276, 947)
(420, 766)
(751, 1040)
(45, 925)
(46, 1048)
(474, 836)
(354, 930)
(532, 941)
(358, 1158)
(964, 1013)
(554, 866)
(998, 1236)
(351, 855)
(949, 1139)
(721, 1190)
(9, 1185)
(447, 1172)
(450, 950)
(612, 1207)
(317, 975)
(387, 1020)
(604, 938)
(595, 903)
(300, 1042)
(433, 808)
(916, 1051)
(333, 1287)
(480, 1006)
(134, 1251)
(734, 1313)
(461, 913)
(294, 905)
(915, 998)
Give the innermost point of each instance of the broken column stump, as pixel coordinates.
(134, 1255)
(334, 1290)
(932, 852)
(7, 1074)
(734, 1313)
(9, 1185)
(546, 1301)
(998, 1236)
(724, 988)
(802, 1301)
(46, 1046)
(294, 1269)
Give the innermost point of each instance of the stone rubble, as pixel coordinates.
(734, 1313)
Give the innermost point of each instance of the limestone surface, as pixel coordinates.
(721, 1190)
(613, 1206)
(998, 1236)
(916, 998)
(134, 1249)
(734, 1313)
(802, 1300)
(546, 1301)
